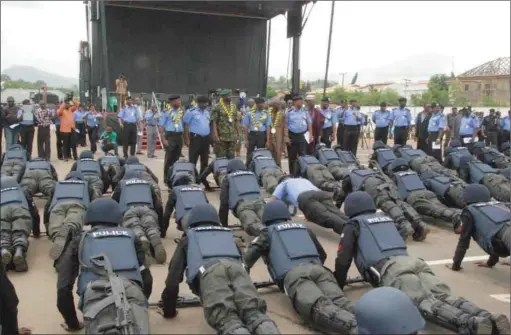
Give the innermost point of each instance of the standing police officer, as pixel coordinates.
(225, 126)
(298, 122)
(172, 123)
(329, 130)
(112, 165)
(197, 132)
(40, 176)
(469, 126)
(352, 121)
(491, 125)
(90, 252)
(151, 118)
(295, 259)
(129, 118)
(257, 125)
(401, 118)
(92, 172)
(487, 223)
(215, 272)
(340, 112)
(436, 127)
(450, 120)
(380, 256)
(18, 215)
(241, 194)
(219, 169)
(382, 121)
(13, 162)
(142, 211)
(65, 210)
(267, 172)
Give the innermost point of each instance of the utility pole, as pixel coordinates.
(407, 81)
(328, 51)
(342, 74)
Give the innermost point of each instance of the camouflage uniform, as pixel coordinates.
(227, 131)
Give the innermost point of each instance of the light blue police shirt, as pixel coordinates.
(330, 117)
(151, 119)
(198, 121)
(297, 121)
(381, 118)
(468, 125)
(505, 124)
(349, 117)
(437, 121)
(169, 124)
(290, 189)
(401, 117)
(129, 114)
(259, 115)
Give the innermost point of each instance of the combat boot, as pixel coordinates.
(6, 256)
(421, 232)
(479, 325)
(266, 328)
(59, 242)
(19, 260)
(160, 255)
(145, 243)
(405, 230)
(501, 322)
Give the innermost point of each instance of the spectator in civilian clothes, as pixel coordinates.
(109, 141)
(140, 126)
(44, 119)
(11, 117)
(67, 128)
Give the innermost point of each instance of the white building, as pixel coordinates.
(408, 89)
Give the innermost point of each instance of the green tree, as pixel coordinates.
(270, 92)
(438, 82)
(489, 102)
(5, 77)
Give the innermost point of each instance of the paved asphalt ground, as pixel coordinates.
(488, 288)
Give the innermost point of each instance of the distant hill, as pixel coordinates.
(32, 74)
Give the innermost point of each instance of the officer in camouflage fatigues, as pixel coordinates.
(40, 176)
(229, 298)
(112, 165)
(18, 216)
(490, 156)
(133, 164)
(92, 171)
(219, 169)
(266, 170)
(319, 176)
(371, 240)
(13, 162)
(225, 126)
(420, 162)
(295, 259)
(241, 194)
(339, 162)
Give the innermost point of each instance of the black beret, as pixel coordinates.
(402, 99)
(383, 103)
(202, 99)
(353, 100)
(297, 97)
(325, 99)
(174, 97)
(434, 104)
(259, 100)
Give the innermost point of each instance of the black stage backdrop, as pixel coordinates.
(182, 53)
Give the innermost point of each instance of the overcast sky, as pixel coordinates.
(46, 34)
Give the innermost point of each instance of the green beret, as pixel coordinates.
(225, 91)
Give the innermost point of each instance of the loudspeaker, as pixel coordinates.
(294, 20)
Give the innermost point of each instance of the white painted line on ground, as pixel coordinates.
(449, 261)
(502, 297)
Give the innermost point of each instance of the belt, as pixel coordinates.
(125, 122)
(173, 132)
(257, 132)
(401, 127)
(296, 134)
(197, 135)
(351, 126)
(151, 125)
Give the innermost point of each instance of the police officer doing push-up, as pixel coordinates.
(453, 155)
(13, 162)
(112, 165)
(215, 272)
(412, 190)
(420, 162)
(448, 189)
(267, 171)
(182, 199)
(380, 255)
(402, 319)
(241, 194)
(317, 206)
(110, 265)
(142, 211)
(338, 162)
(92, 172)
(218, 167)
(65, 209)
(295, 259)
(488, 223)
(133, 164)
(18, 215)
(182, 169)
(40, 176)
(319, 176)
(490, 156)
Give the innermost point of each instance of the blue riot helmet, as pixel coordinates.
(131, 174)
(75, 175)
(399, 165)
(236, 165)
(204, 214)
(454, 143)
(476, 149)
(103, 211)
(275, 212)
(396, 147)
(132, 160)
(182, 180)
(475, 193)
(16, 147)
(6, 182)
(357, 203)
(379, 145)
(86, 154)
(387, 310)
(320, 146)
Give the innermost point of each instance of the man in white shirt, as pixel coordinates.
(140, 130)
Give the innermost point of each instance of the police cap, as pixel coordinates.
(402, 99)
(131, 174)
(297, 97)
(454, 143)
(132, 160)
(202, 99)
(86, 154)
(7, 181)
(235, 165)
(201, 214)
(387, 310)
(225, 91)
(103, 211)
(325, 99)
(378, 145)
(259, 100)
(357, 203)
(399, 165)
(383, 104)
(74, 175)
(275, 211)
(475, 193)
(174, 97)
(10, 99)
(434, 104)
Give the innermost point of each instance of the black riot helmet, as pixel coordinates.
(132, 160)
(475, 193)
(204, 214)
(357, 203)
(236, 165)
(379, 145)
(398, 316)
(504, 146)
(103, 211)
(86, 154)
(74, 175)
(399, 165)
(320, 146)
(275, 212)
(131, 174)
(7, 182)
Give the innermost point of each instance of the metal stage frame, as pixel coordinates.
(94, 78)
